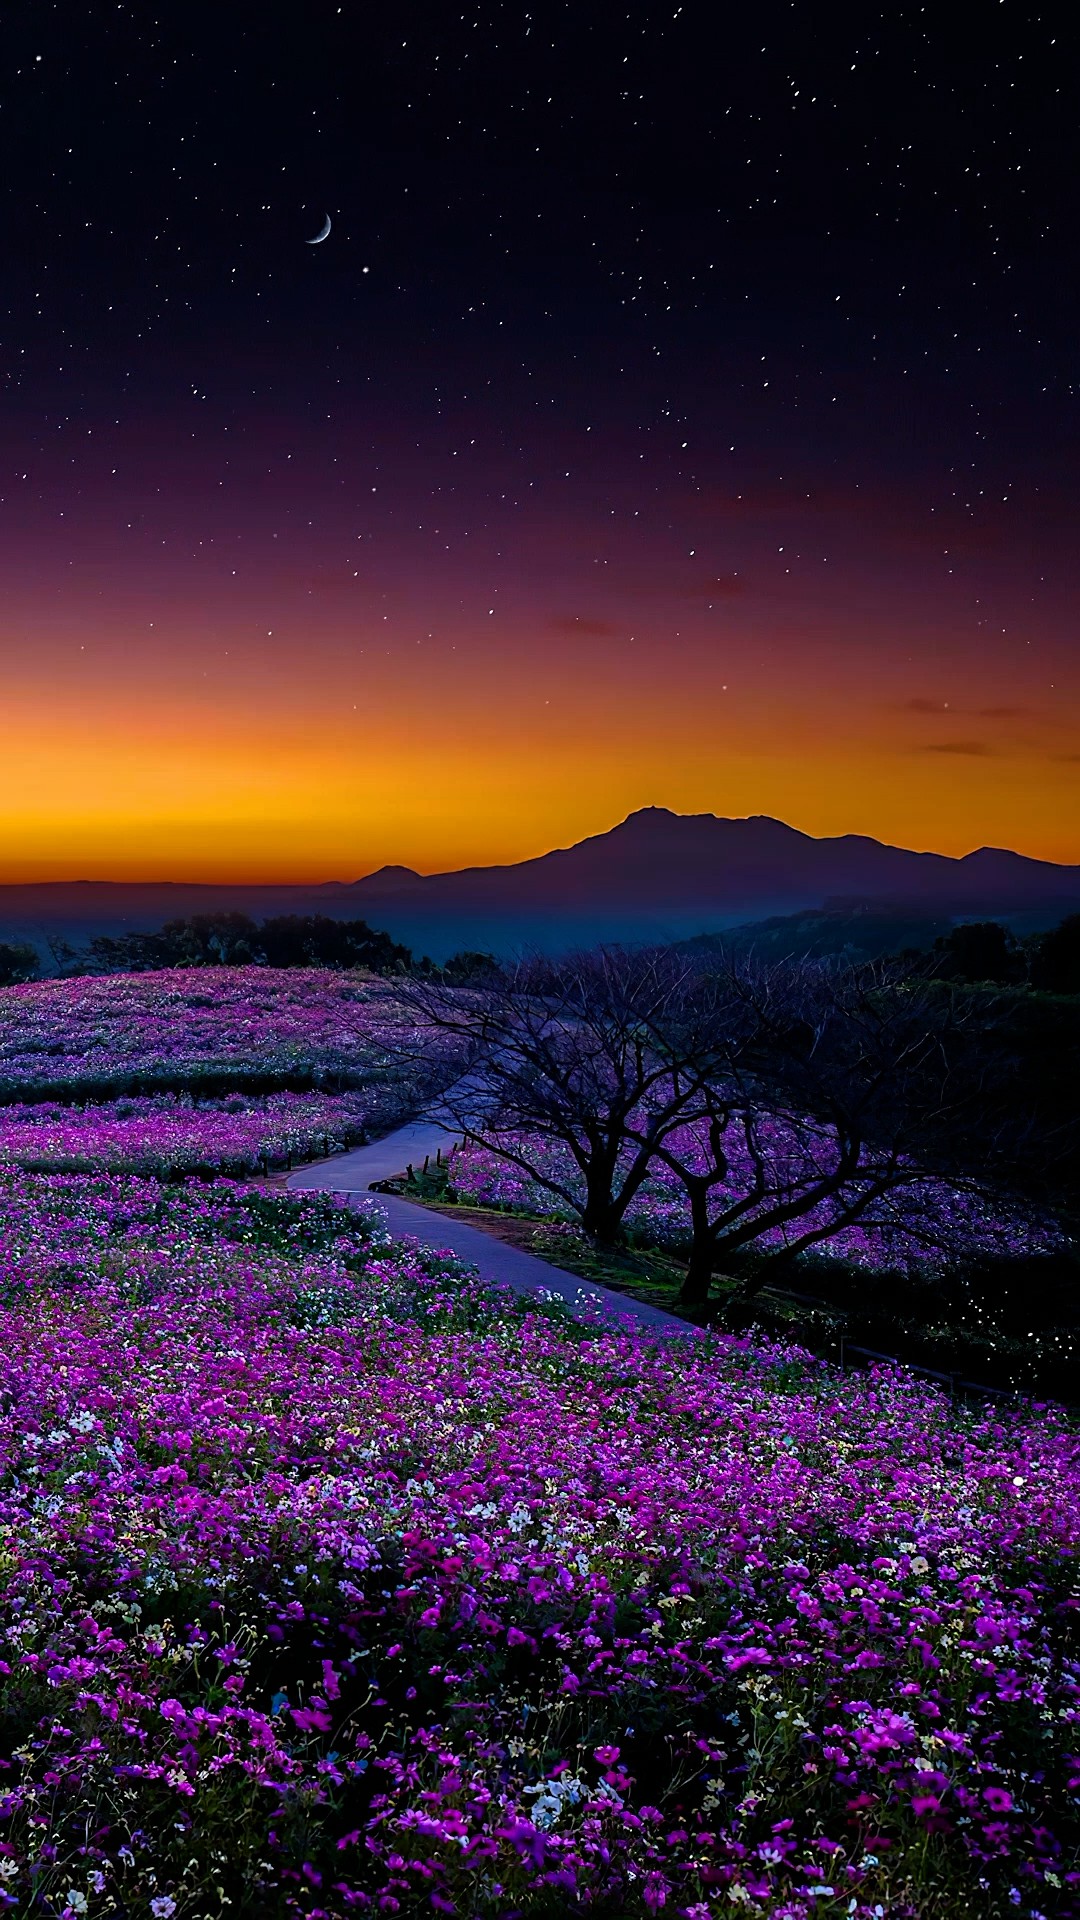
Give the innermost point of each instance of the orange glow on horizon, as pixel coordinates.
(251, 710)
(296, 790)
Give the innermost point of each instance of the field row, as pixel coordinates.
(202, 1029)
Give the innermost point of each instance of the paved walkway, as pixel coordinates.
(352, 1173)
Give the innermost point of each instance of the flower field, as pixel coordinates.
(331, 1583)
(192, 1029)
(209, 1070)
(922, 1223)
(171, 1134)
(334, 1583)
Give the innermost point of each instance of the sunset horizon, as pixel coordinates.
(723, 457)
(349, 871)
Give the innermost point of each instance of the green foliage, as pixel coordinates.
(1055, 964)
(18, 962)
(468, 969)
(980, 950)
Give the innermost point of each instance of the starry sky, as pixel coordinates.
(682, 410)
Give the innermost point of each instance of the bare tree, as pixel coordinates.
(604, 1053)
(850, 1084)
(786, 1101)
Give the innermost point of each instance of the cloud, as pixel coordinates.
(977, 749)
(573, 623)
(1067, 759)
(924, 706)
(1001, 713)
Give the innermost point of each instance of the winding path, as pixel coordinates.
(352, 1173)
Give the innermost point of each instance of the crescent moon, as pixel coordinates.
(320, 236)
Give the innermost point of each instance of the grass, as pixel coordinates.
(645, 1272)
(844, 1315)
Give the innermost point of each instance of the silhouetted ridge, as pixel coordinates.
(656, 875)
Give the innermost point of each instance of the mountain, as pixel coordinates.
(657, 875)
(658, 862)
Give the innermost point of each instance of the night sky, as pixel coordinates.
(682, 410)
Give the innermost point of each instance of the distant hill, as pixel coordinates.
(847, 933)
(657, 875)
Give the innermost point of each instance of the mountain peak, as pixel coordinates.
(665, 867)
(391, 877)
(750, 827)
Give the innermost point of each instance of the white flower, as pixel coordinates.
(552, 1797)
(75, 1900)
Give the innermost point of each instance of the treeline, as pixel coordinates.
(235, 940)
(972, 953)
(976, 953)
(984, 952)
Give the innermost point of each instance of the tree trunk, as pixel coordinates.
(699, 1271)
(601, 1217)
(602, 1221)
(695, 1288)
